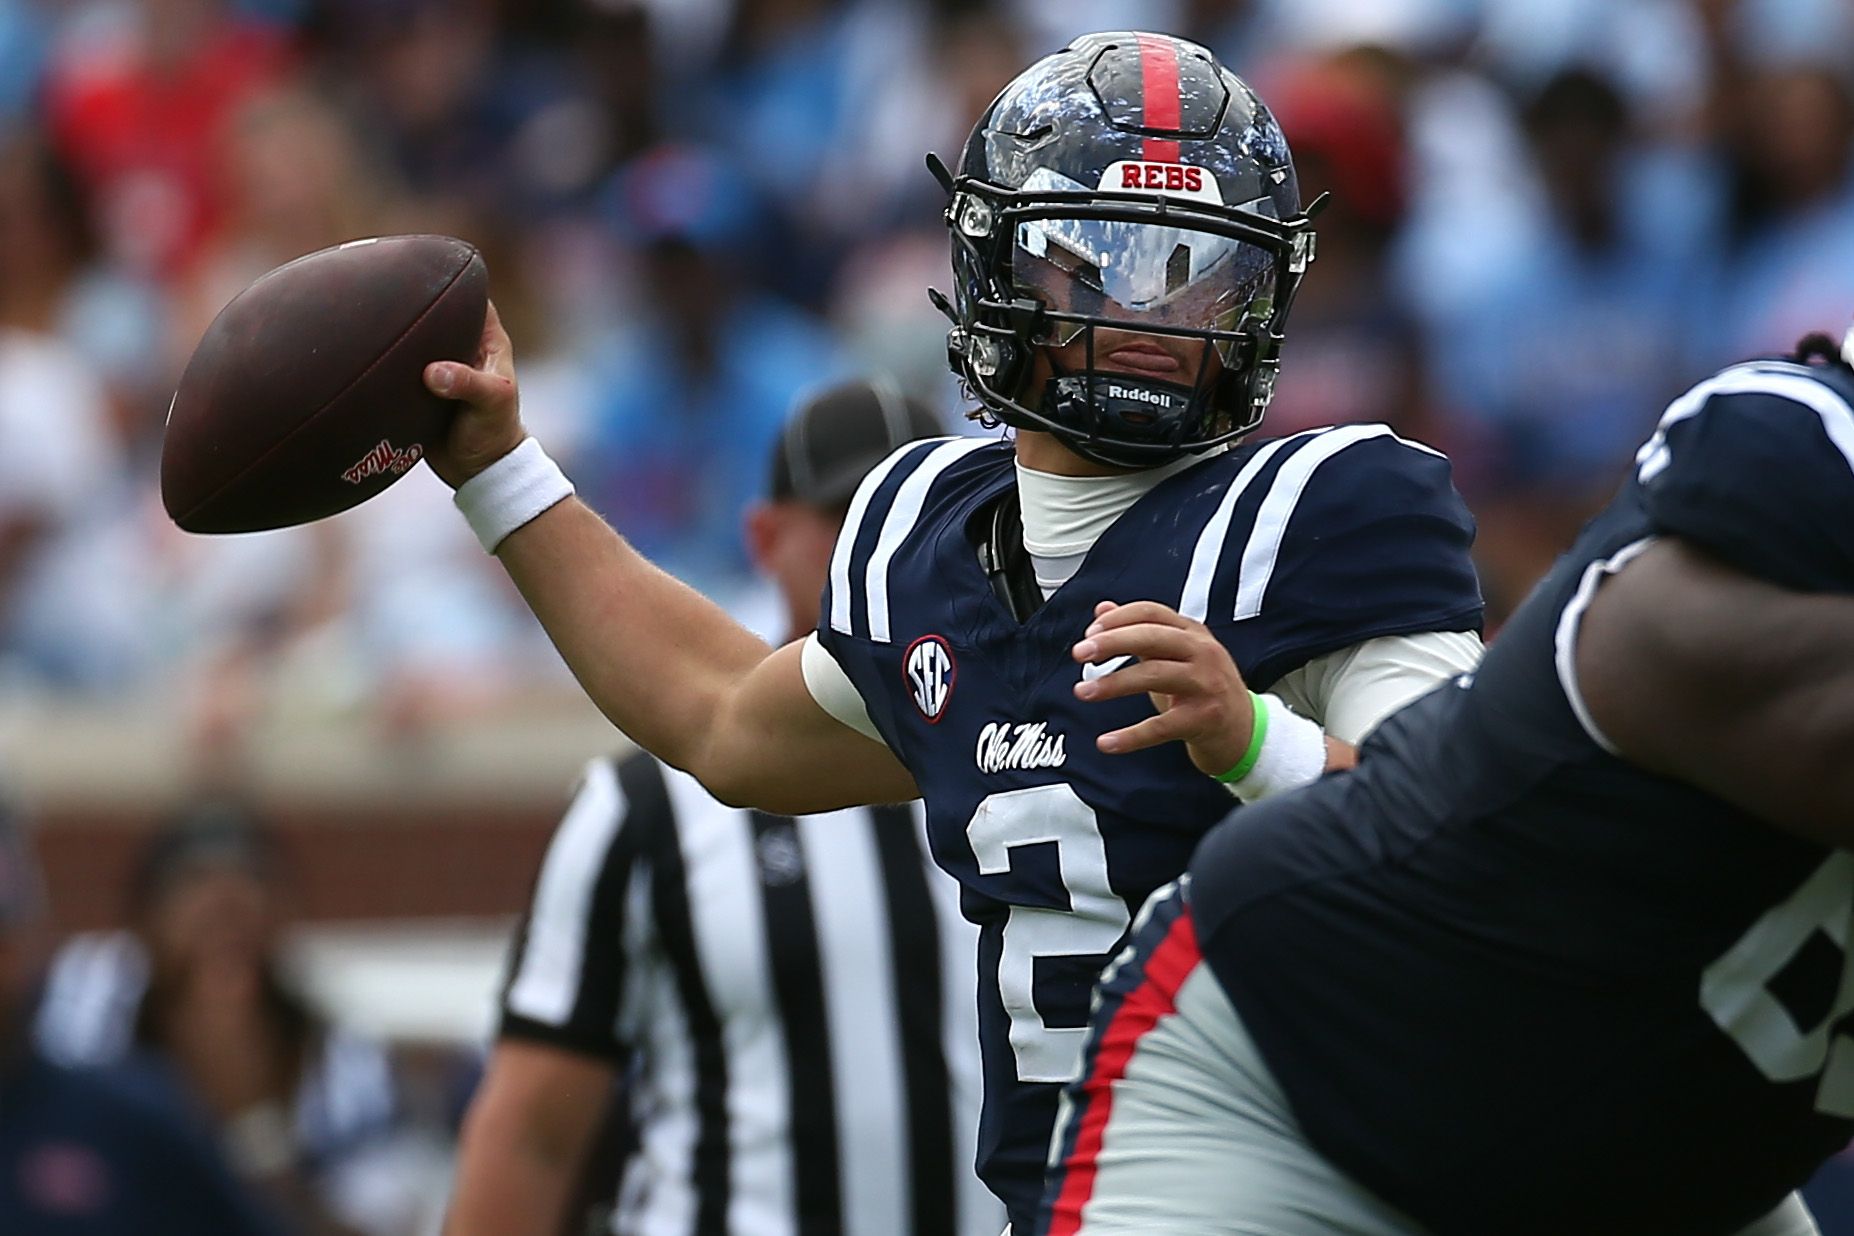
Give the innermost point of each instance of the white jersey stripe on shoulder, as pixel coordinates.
(1271, 519)
(1564, 639)
(1195, 600)
(1780, 380)
(846, 539)
(902, 517)
(547, 981)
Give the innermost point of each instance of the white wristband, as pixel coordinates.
(1293, 754)
(510, 492)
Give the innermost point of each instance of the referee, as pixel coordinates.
(789, 1002)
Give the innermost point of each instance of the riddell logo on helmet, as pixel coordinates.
(1171, 179)
(383, 458)
(1135, 393)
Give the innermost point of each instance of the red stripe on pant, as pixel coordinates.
(1163, 108)
(1171, 962)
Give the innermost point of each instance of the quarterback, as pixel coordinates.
(1056, 640)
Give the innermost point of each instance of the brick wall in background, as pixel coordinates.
(417, 862)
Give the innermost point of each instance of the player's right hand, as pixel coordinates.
(1196, 690)
(488, 424)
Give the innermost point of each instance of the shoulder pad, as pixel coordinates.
(888, 506)
(1358, 534)
(1756, 464)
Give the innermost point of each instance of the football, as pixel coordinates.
(305, 396)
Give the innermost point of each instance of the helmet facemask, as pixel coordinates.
(1056, 265)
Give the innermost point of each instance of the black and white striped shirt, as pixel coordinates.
(794, 999)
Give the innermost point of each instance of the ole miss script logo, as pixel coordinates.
(930, 670)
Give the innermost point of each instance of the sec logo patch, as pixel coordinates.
(929, 669)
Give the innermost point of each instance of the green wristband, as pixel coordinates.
(1258, 733)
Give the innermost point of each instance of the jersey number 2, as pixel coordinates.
(1736, 990)
(1092, 926)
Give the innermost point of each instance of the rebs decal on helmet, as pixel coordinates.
(1170, 179)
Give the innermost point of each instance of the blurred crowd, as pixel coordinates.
(1548, 216)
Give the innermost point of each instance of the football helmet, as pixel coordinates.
(1129, 183)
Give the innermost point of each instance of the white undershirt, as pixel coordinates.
(1347, 692)
(1065, 515)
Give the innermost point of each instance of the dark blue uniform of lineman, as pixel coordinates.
(1287, 550)
(1512, 983)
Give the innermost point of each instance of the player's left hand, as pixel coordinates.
(1201, 697)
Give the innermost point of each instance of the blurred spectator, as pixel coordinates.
(294, 178)
(962, 55)
(693, 389)
(442, 95)
(780, 92)
(1353, 341)
(69, 596)
(780, 104)
(23, 39)
(308, 1111)
(1790, 140)
(138, 99)
(1652, 49)
(949, 68)
(574, 141)
(91, 1152)
(1561, 363)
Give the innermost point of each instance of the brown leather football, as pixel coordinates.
(305, 396)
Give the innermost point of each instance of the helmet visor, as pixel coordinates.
(1140, 275)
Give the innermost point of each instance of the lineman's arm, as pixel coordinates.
(667, 666)
(1700, 672)
(526, 1138)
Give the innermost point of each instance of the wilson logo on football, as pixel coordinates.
(930, 670)
(1171, 179)
(383, 460)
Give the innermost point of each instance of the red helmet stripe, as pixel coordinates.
(1162, 108)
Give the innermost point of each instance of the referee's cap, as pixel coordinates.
(835, 436)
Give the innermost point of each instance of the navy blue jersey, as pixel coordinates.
(1287, 550)
(1513, 983)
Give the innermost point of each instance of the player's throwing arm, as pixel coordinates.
(667, 666)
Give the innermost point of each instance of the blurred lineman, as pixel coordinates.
(1570, 950)
(1052, 640)
(790, 1001)
(93, 1152)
